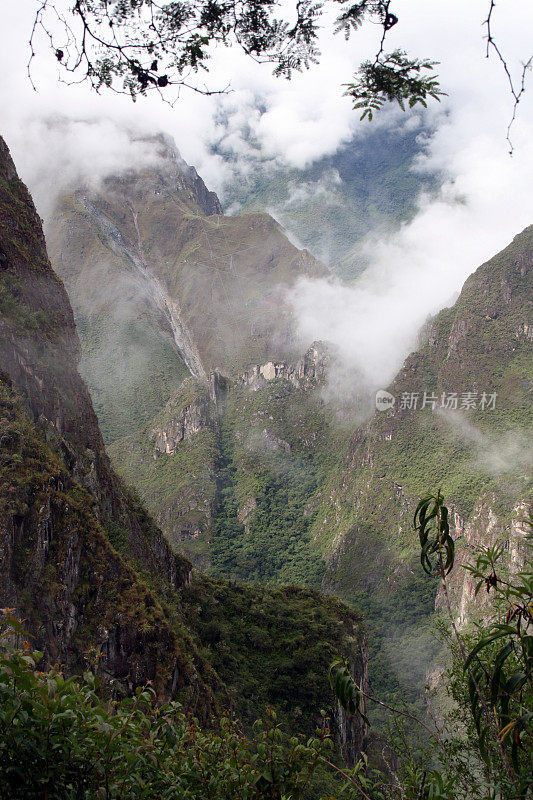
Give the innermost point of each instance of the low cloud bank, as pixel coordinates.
(484, 202)
(497, 454)
(486, 198)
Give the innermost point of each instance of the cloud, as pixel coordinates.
(484, 201)
(496, 454)
(262, 117)
(58, 153)
(323, 189)
(415, 272)
(485, 197)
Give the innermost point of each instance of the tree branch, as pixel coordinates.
(515, 92)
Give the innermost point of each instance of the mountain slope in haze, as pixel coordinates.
(478, 454)
(147, 259)
(230, 481)
(370, 185)
(83, 563)
(207, 454)
(164, 287)
(60, 496)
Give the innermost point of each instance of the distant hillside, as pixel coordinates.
(173, 301)
(477, 362)
(368, 185)
(163, 285)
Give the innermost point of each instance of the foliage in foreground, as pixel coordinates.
(134, 47)
(58, 740)
(489, 755)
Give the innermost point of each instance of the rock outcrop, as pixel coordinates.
(186, 414)
(308, 372)
(485, 527)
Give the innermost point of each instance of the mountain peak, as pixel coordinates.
(171, 172)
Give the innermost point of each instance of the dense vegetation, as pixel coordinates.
(272, 646)
(272, 543)
(59, 741)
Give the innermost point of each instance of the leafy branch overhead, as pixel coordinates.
(136, 46)
(393, 78)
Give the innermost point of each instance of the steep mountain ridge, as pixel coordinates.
(59, 570)
(81, 561)
(461, 422)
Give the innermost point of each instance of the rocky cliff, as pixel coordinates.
(60, 498)
(310, 371)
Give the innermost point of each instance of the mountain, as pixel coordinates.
(85, 566)
(149, 249)
(61, 501)
(243, 463)
(472, 440)
(173, 302)
(370, 185)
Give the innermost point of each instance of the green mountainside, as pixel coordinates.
(88, 570)
(243, 464)
(480, 457)
(148, 254)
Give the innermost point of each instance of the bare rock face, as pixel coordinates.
(308, 372)
(188, 412)
(484, 528)
(350, 731)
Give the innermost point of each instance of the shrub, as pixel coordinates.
(59, 740)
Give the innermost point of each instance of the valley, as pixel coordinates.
(277, 532)
(245, 465)
(266, 400)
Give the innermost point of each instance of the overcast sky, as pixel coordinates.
(485, 200)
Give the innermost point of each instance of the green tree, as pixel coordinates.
(60, 740)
